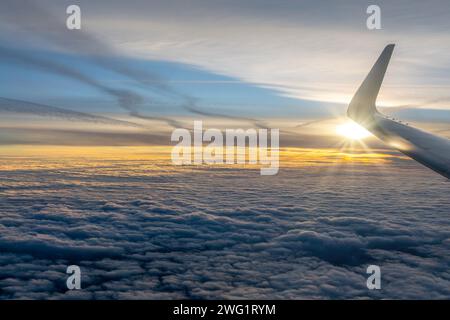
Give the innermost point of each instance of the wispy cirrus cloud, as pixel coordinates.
(296, 47)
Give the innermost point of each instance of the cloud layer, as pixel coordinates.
(140, 229)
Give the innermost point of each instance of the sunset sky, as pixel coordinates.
(288, 65)
(86, 118)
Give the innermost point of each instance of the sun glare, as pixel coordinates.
(352, 130)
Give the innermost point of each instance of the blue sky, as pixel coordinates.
(213, 91)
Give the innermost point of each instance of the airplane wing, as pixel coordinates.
(428, 149)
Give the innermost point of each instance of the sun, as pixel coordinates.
(352, 130)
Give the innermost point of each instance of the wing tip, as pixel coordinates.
(362, 106)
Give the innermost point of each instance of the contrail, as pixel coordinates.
(48, 27)
(126, 99)
(42, 24)
(43, 110)
(191, 106)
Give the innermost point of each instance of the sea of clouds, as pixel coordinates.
(205, 232)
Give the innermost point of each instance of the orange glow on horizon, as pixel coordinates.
(157, 159)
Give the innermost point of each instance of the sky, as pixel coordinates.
(86, 118)
(164, 63)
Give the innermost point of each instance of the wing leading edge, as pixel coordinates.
(428, 149)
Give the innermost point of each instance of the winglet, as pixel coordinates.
(362, 107)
